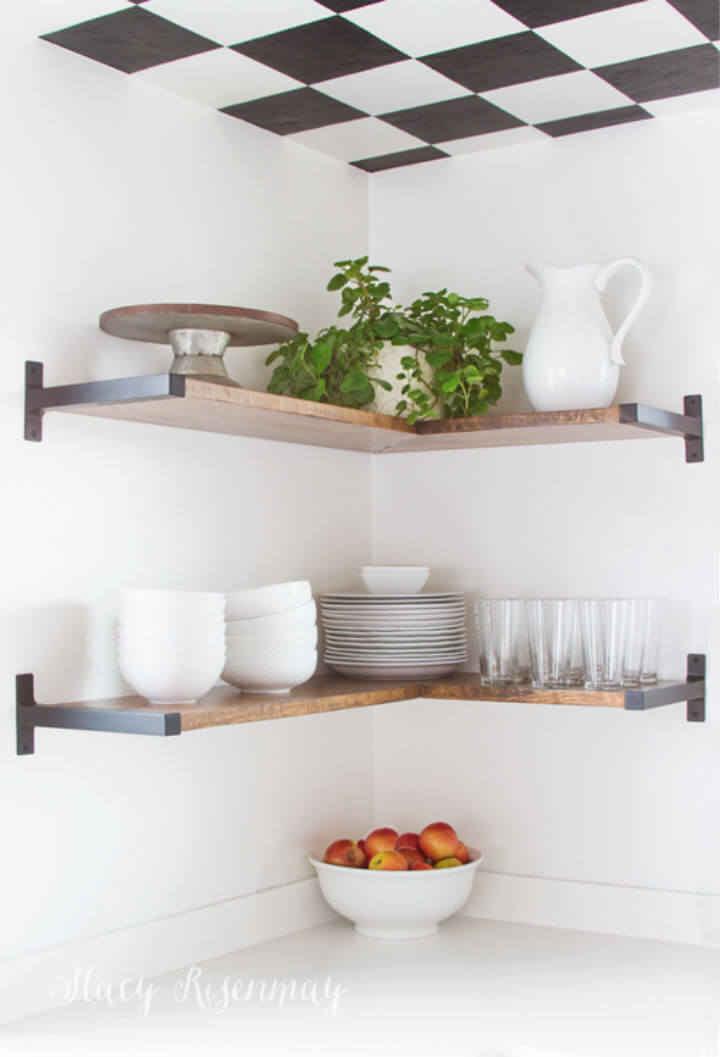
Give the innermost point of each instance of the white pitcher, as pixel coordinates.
(572, 359)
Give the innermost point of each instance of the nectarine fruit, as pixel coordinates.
(462, 853)
(344, 853)
(424, 865)
(382, 839)
(388, 860)
(412, 855)
(444, 864)
(407, 840)
(438, 841)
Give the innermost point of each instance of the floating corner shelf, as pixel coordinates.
(187, 402)
(224, 706)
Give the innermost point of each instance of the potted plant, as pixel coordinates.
(433, 359)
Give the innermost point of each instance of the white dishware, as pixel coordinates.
(410, 670)
(171, 679)
(394, 579)
(161, 636)
(269, 673)
(396, 904)
(289, 620)
(278, 642)
(142, 596)
(264, 601)
(572, 359)
(201, 654)
(386, 636)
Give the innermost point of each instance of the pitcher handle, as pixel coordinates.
(601, 281)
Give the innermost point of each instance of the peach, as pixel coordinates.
(344, 853)
(388, 860)
(438, 841)
(462, 853)
(412, 855)
(407, 840)
(382, 839)
(424, 865)
(444, 864)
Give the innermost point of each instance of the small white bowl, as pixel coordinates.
(395, 579)
(269, 673)
(274, 642)
(159, 638)
(263, 601)
(144, 596)
(171, 624)
(396, 905)
(288, 620)
(168, 680)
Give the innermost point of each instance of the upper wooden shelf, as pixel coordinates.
(224, 706)
(190, 403)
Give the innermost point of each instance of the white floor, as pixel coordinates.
(478, 987)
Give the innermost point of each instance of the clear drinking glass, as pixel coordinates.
(643, 632)
(498, 626)
(524, 670)
(552, 626)
(605, 623)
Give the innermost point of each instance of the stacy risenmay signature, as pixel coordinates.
(194, 986)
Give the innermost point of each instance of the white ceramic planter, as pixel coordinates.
(388, 368)
(396, 905)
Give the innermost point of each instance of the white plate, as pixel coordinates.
(430, 658)
(394, 671)
(415, 599)
(437, 615)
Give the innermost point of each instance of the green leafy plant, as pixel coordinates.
(446, 332)
(452, 368)
(335, 367)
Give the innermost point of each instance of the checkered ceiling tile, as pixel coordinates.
(388, 83)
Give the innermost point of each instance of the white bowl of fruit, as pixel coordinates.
(398, 886)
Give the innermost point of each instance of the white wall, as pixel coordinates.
(589, 795)
(114, 192)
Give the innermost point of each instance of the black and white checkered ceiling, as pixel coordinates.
(384, 83)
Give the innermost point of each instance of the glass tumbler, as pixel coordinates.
(644, 619)
(552, 624)
(605, 623)
(498, 627)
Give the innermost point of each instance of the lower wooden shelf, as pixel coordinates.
(224, 706)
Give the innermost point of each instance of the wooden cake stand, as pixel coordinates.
(198, 334)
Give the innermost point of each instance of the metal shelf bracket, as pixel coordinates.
(38, 399)
(692, 691)
(29, 715)
(688, 425)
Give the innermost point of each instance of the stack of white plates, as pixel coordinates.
(394, 636)
(171, 644)
(271, 638)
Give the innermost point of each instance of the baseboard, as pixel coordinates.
(645, 913)
(164, 945)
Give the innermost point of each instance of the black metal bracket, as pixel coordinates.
(692, 691)
(38, 399)
(688, 425)
(29, 716)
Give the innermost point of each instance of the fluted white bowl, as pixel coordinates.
(269, 673)
(264, 601)
(274, 642)
(293, 619)
(171, 679)
(160, 638)
(396, 904)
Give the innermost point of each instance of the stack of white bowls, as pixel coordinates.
(394, 636)
(271, 638)
(171, 644)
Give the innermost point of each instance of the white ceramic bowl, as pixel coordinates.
(161, 638)
(263, 601)
(288, 620)
(172, 624)
(171, 680)
(274, 642)
(395, 579)
(269, 673)
(147, 597)
(396, 905)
